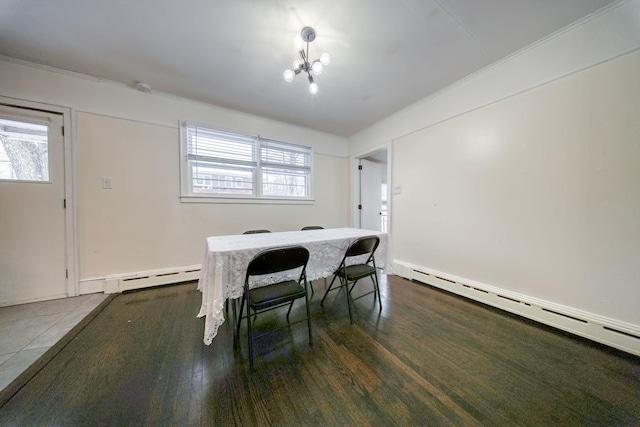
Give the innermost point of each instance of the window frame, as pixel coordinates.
(187, 195)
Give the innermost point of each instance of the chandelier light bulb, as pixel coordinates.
(317, 68)
(313, 88)
(297, 64)
(325, 59)
(288, 75)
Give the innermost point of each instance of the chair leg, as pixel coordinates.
(328, 289)
(353, 285)
(377, 289)
(289, 311)
(306, 300)
(237, 334)
(346, 291)
(250, 339)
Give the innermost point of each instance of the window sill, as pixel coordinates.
(240, 200)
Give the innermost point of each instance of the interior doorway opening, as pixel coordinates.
(371, 197)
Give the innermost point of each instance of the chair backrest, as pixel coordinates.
(278, 259)
(312, 227)
(364, 245)
(256, 231)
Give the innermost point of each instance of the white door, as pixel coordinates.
(32, 211)
(370, 195)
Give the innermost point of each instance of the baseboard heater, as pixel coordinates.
(147, 279)
(623, 336)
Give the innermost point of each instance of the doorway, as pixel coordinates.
(371, 207)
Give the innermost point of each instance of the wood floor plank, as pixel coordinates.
(428, 358)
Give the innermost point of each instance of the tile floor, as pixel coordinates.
(27, 331)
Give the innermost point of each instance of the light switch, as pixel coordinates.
(107, 182)
(397, 189)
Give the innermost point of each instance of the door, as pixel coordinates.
(32, 206)
(370, 195)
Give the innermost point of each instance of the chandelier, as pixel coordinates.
(304, 65)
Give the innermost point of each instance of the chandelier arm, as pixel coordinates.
(305, 59)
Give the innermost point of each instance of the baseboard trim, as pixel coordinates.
(616, 334)
(119, 283)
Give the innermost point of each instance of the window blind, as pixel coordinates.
(213, 146)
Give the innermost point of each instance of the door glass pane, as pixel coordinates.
(24, 151)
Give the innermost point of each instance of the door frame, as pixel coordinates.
(70, 223)
(355, 184)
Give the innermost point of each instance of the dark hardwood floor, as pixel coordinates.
(429, 359)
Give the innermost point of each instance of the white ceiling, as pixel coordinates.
(385, 55)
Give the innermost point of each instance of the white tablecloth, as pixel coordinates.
(227, 257)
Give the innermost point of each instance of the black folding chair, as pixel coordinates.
(350, 274)
(270, 296)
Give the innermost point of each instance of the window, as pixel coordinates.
(24, 150)
(220, 164)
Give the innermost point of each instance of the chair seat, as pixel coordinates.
(357, 271)
(275, 294)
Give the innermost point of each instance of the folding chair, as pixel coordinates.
(350, 274)
(270, 296)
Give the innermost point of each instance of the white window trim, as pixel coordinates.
(186, 196)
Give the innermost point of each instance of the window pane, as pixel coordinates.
(286, 169)
(220, 180)
(285, 182)
(24, 151)
(278, 153)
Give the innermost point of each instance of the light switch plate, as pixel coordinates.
(397, 189)
(107, 182)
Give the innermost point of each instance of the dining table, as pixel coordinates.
(226, 258)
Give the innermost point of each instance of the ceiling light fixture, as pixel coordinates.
(307, 35)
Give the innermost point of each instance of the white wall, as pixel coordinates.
(537, 194)
(523, 179)
(133, 137)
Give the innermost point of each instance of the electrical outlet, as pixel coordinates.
(397, 189)
(107, 182)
